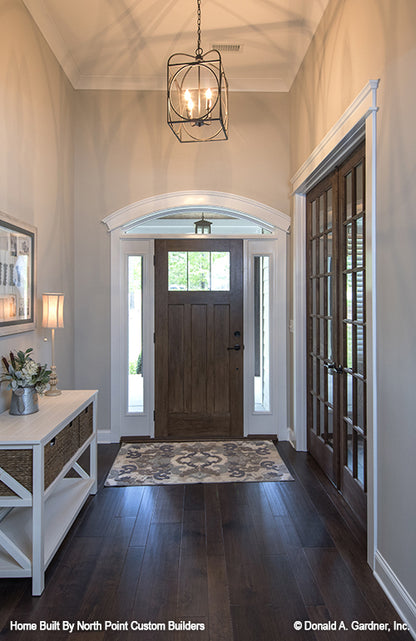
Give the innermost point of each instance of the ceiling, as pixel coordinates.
(125, 44)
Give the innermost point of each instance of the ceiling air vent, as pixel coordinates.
(228, 48)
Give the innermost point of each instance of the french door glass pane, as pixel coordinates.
(359, 243)
(329, 209)
(360, 459)
(349, 245)
(322, 213)
(349, 446)
(359, 188)
(348, 195)
(135, 334)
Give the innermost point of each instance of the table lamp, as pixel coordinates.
(53, 317)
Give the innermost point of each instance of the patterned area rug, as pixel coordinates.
(197, 462)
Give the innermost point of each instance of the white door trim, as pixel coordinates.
(123, 244)
(335, 146)
(244, 208)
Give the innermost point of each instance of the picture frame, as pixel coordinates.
(17, 276)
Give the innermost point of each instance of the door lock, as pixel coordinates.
(337, 368)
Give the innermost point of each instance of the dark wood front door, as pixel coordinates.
(198, 338)
(337, 431)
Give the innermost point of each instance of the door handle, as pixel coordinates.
(234, 347)
(337, 368)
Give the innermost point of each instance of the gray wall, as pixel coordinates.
(36, 172)
(357, 41)
(126, 152)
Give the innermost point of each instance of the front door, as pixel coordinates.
(198, 338)
(337, 432)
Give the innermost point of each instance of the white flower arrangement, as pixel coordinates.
(22, 371)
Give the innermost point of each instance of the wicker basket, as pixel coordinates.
(19, 464)
(85, 424)
(59, 450)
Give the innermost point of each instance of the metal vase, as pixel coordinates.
(24, 401)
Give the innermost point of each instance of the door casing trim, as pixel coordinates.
(119, 240)
(358, 121)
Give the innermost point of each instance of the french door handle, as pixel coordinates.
(337, 368)
(235, 347)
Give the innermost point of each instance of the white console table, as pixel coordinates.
(38, 500)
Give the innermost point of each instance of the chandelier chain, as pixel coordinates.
(198, 51)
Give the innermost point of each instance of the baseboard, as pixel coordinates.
(291, 437)
(104, 436)
(396, 592)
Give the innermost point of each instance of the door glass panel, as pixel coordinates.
(315, 415)
(329, 339)
(349, 386)
(330, 383)
(359, 188)
(322, 213)
(359, 242)
(360, 459)
(314, 377)
(359, 296)
(262, 334)
(348, 297)
(330, 436)
(314, 335)
(329, 253)
(360, 347)
(178, 271)
(349, 447)
(135, 334)
(330, 310)
(322, 377)
(198, 271)
(314, 221)
(348, 195)
(329, 209)
(199, 277)
(322, 418)
(313, 252)
(360, 403)
(220, 271)
(348, 248)
(322, 254)
(321, 310)
(349, 334)
(322, 337)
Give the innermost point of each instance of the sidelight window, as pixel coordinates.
(261, 333)
(135, 333)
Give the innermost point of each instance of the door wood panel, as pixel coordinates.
(199, 380)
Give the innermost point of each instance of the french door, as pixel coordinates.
(198, 338)
(336, 329)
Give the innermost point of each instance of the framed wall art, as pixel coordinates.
(17, 276)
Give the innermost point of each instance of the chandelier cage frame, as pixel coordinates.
(197, 94)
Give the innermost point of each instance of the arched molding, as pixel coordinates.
(210, 201)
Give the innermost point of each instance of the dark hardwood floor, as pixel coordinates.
(246, 560)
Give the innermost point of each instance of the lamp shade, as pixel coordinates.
(53, 310)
